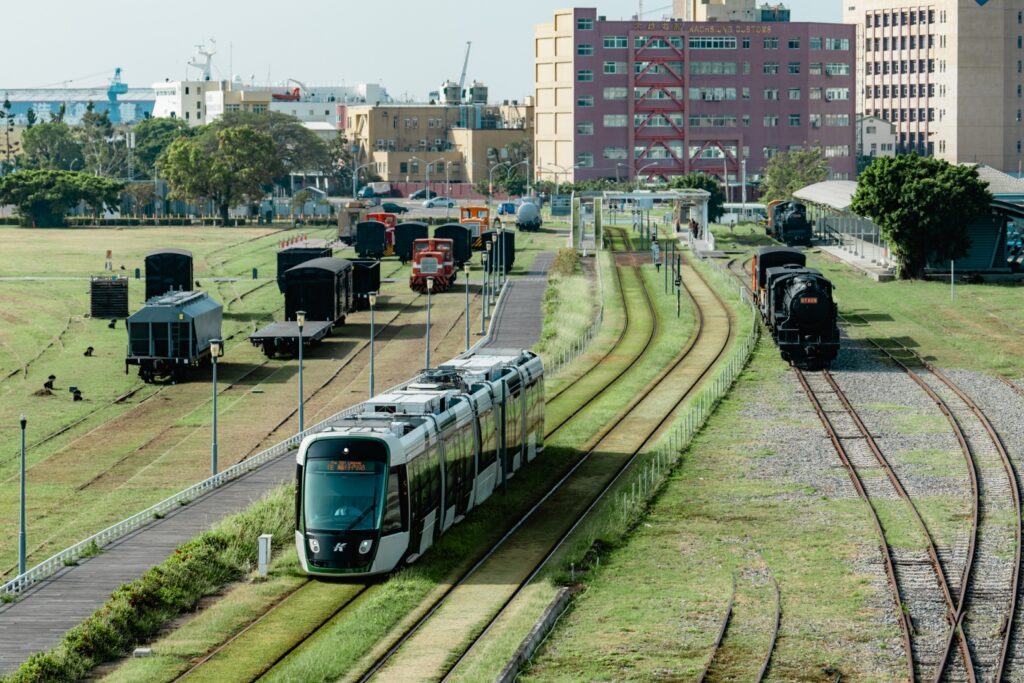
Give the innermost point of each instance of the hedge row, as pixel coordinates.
(137, 610)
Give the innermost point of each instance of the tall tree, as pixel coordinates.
(702, 181)
(53, 146)
(105, 153)
(298, 148)
(225, 166)
(923, 206)
(787, 172)
(30, 118)
(153, 136)
(44, 196)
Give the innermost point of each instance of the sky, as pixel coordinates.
(409, 46)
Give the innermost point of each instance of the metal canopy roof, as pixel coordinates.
(837, 194)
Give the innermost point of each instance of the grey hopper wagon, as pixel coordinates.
(172, 333)
(168, 270)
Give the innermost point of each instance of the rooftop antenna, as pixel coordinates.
(207, 56)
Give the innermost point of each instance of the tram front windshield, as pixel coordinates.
(342, 489)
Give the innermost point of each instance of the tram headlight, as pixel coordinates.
(365, 546)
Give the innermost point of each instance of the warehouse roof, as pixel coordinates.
(1001, 185)
(837, 194)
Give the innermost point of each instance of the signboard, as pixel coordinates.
(561, 204)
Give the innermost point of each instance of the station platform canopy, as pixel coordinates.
(693, 197)
(833, 194)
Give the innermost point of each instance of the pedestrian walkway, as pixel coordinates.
(47, 610)
(867, 257)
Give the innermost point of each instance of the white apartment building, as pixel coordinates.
(875, 137)
(182, 100)
(949, 74)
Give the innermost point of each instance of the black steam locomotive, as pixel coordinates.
(789, 224)
(797, 306)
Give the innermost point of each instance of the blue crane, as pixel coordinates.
(117, 87)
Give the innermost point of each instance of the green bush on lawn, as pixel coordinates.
(137, 610)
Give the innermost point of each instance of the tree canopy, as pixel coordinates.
(922, 206)
(103, 154)
(153, 136)
(51, 146)
(787, 172)
(225, 166)
(298, 148)
(43, 196)
(702, 181)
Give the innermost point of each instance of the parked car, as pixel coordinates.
(507, 209)
(391, 207)
(423, 194)
(439, 202)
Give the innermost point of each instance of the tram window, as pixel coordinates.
(393, 506)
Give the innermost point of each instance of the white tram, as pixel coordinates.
(380, 487)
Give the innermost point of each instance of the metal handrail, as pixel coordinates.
(89, 546)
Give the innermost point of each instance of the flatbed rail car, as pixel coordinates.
(323, 288)
(462, 241)
(797, 306)
(171, 333)
(299, 252)
(405, 234)
(377, 490)
(168, 270)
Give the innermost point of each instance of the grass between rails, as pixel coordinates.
(570, 305)
(138, 609)
(652, 608)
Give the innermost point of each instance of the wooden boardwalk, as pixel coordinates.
(45, 612)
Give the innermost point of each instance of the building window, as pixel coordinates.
(746, 120)
(746, 68)
(746, 43)
(837, 43)
(794, 67)
(833, 151)
(814, 120)
(713, 68)
(746, 93)
(815, 43)
(815, 68)
(613, 94)
(771, 43)
(709, 94)
(584, 50)
(771, 121)
(793, 44)
(585, 101)
(585, 160)
(837, 69)
(833, 94)
(615, 120)
(769, 152)
(712, 121)
(771, 93)
(815, 93)
(837, 120)
(584, 75)
(614, 67)
(794, 93)
(585, 128)
(414, 167)
(771, 68)
(584, 24)
(794, 120)
(712, 43)
(616, 42)
(615, 153)
(403, 167)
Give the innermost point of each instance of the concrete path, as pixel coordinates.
(45, 612)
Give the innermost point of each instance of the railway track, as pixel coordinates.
(566, 506)
(710, 672)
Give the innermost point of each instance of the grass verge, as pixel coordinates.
(137, 610)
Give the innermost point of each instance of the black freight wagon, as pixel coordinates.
(371, 239)
(172, 333)
(365, 279)
(508, 253)
(405, 234)
(297, 253)
(323, 289)
(168, 270)
(462, 241)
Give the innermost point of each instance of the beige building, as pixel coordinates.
(405, 142)
(715, 10)
(948, 74)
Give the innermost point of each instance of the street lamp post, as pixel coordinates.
(501, 257)
(300, 318)
(483, 310)
(21, 527)
(355, 177)
(430, 288)
(447, 189)
(216, 351)
(373, 304)
(466, 270)
(492, 256)
(641, 170)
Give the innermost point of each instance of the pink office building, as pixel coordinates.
(642, 98)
